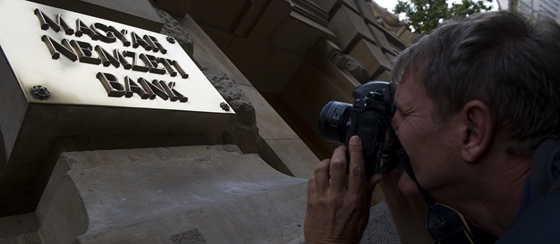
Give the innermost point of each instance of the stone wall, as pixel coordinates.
(276, 62)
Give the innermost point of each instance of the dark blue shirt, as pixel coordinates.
(538, 216)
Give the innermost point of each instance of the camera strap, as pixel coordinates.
(445, 224)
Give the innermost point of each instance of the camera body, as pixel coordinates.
(368, 118)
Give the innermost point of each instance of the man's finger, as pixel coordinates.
(321, 176)
(357, 170)
(310, 186)
(338, 169)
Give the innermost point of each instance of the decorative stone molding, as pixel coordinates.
(243, 130)
(172, 28)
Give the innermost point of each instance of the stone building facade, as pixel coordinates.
(227, 179)
(548, 8)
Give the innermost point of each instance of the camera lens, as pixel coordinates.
(333, 121)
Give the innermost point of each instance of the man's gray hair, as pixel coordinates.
(509, 62)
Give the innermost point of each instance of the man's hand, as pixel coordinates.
(337, 212)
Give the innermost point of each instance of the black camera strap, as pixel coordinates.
(445, 225)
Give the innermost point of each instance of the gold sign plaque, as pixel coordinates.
(66, 58)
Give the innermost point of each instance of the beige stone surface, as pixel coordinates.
(380, 37)
(139, 8)
(31, 238)
(217, 13)
(15, 197)
(247, 55)
(253, 14)
(396, 44)
(138, 13)
(299, 159)
(222, 39)
(349, 27)
(351, 5)
(312, 11)
(326, 5)
(366, 11)
(384, 76)
(275, 13)
(107, 128)
(242, 130)
(237, 221)
(331, 6)
(278, 65)
(391, 58)
(407, 36)
(13, 105)
(165, 195)
(2, 149)
(298, 33)
(327, 48)
(339, 77)
(172, 28)
(178, 7)
(268, 154)
(269, 122)
(61, 212)
(18, 225)
(371, 57)
(356, 69)
(275, 70)
(315, 93)
(207, 54)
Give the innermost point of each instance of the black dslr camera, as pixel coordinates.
(368, 118)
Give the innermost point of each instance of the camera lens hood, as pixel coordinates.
(334, 121)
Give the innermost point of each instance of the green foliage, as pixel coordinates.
(426, 15)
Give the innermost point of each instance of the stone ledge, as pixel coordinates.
(114, 195)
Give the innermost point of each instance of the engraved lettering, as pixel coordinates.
(138, 41)
(131, 87)
(111, 84)
(109, 37)
(106, 57)
(146, 61)
(168, 90)
(154, 41)
(180, 96)
(120, 35)
(46, 22)
(84, 51)
(179, 69)
(158, 89)
(134, 66)
(82, 28)
(69, 31)
(118, 55)
(151, 43)
(167, 66)
(153, 62)
(55, 47)
(146, 85)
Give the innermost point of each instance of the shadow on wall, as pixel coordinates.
(2, 150)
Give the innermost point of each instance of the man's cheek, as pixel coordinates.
(408, 186)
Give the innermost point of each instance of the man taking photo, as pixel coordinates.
(478, 113)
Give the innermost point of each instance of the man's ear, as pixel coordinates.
(476, 134)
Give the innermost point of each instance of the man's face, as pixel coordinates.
(432, 146)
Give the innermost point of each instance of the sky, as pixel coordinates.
(390, 4)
